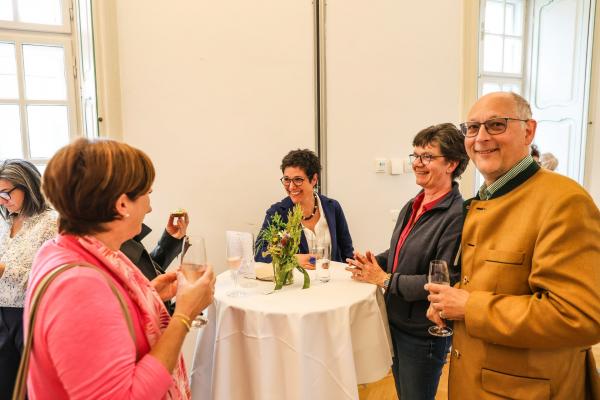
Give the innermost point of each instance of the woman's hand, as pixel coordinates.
(179, 229)
(366, 269)
(193, 297)
(304, 260)
(166, 285)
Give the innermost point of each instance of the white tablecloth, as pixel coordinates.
(317, 343)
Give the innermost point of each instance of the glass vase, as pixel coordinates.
(283, 273)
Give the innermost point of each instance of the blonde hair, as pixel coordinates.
(549, 161)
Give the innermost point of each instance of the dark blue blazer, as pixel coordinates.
(341, 241)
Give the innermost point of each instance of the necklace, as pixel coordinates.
(313, 211)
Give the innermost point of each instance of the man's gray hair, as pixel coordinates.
(523, 107)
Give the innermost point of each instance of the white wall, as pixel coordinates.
(393, 68)
(216, 93)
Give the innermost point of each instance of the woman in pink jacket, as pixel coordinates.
(83, 347)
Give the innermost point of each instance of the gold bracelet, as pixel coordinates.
(185, 320)
(188, 319)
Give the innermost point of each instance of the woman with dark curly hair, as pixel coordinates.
(324, 223)
(428, 227)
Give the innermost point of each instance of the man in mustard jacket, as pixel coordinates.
(527, 307)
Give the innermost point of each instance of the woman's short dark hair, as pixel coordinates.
(25, 176)
(84, 180)
(305, 159)
(451, 142)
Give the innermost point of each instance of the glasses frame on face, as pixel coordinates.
(297, 181)
(6, 195)
(424, 158)
(464, 127)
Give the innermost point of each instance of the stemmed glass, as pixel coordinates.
(235, 254)
(193, 265)
(438, 273)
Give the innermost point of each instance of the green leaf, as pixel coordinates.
(306, 284)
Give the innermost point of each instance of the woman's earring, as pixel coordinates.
(127, 215)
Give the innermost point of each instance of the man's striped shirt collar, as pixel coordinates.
(486, 192)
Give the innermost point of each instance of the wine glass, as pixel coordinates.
(193, 265)
(438, 273)
(323, 257)
(235, 254)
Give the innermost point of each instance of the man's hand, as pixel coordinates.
(447, 302)
(179, 229)
(166, 285)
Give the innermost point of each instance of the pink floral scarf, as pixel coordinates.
(155, 317)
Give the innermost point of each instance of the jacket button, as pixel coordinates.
(456, 353)
(465, 280)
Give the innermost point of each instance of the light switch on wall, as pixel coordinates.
(380, 164)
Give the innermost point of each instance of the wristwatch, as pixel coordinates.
(386, 282)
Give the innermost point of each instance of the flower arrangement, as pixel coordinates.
(283, 239)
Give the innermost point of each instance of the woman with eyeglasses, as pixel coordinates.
(324, 223)
(26, 223)
(428, 228)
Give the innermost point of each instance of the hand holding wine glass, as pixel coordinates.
(195, 296)
(194, 266)
(438, 273)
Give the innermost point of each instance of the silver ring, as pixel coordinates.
(441, 314)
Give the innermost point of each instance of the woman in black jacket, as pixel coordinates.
(428, 228)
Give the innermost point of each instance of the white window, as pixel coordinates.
(39, 110)
(541, 49)
(501, 46)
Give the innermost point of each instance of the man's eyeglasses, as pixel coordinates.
(425, 158)
(494, 126)
(6, 195)
(298, 181)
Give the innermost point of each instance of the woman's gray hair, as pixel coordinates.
(26, 177)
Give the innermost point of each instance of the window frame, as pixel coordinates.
(25, 38)
(502, 77)
(66, 27)
(65, 36)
